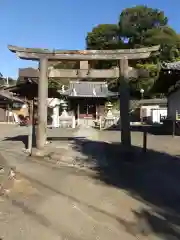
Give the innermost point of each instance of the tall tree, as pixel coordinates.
(139, 26)
(135, 21)
(143, 26)
(104, 36)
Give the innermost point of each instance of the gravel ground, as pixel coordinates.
(44, 202)
(15, 224)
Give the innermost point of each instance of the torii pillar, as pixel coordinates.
(41, 134)
(124, 103)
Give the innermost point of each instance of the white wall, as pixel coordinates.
(146, 110)
(173, 104)
(156, 114)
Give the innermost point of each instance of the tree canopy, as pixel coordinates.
(139, 26)
(135, 22)
(104, 36)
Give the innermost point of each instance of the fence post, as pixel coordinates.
(144, 141)
(173, 127)
(30, 126)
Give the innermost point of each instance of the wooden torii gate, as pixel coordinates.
(122, 71)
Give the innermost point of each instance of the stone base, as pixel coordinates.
(38, 152)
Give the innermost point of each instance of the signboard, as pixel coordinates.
(177, 116)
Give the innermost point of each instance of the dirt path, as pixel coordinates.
(74, 204)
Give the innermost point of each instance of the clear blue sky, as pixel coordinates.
(61, 24)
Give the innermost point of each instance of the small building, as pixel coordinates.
(7, 102)
(174, 102)
(87, 99)
(171, 73)
(27, 88)
(153, 110)
(169, 83)
(27, 85)
(173, 118)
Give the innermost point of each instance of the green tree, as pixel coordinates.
(52, 83)
(59, 82)
(142, 26)
(167, 38)
(104, 36)
(136, 21)
(139, 26)
(65, 65)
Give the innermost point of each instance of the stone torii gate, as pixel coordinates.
(122, 71)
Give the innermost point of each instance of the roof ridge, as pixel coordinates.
(99, 82)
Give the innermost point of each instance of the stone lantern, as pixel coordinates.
(64, 106)
(142, 93)
(109, 109)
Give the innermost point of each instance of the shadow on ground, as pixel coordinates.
(24, 139)
(19, 138)
(151, 177)
(156, 129)
(153, 129)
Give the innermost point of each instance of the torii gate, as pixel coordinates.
(122, 71)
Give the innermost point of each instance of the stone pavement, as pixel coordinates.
(45, 202)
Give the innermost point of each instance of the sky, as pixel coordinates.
(61, 24)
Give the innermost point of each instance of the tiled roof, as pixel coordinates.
(171, 66)
(8, 95)
(153, 101)
(88, 89)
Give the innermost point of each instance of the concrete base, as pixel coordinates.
(38, 153)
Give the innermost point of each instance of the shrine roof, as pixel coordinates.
(28, 87)
(88, 89)
(9, 96)
(171, 66)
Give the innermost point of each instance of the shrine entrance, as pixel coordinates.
(86, 100)
(84, 108)
(122, 71)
